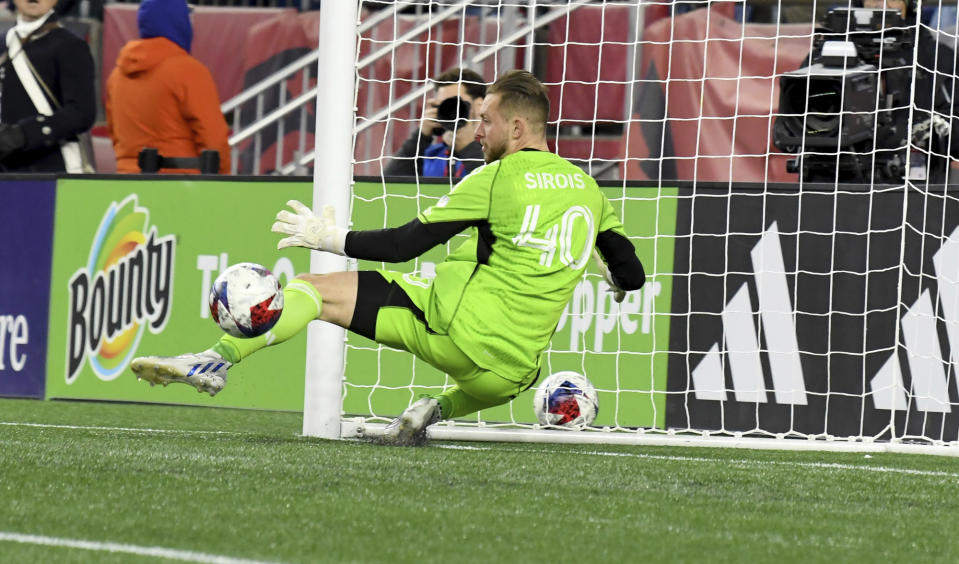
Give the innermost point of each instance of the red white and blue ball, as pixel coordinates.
(246, 300)
(566, 399)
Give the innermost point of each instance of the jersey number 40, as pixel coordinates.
(560, 235)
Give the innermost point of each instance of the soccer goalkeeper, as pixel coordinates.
(534, 220)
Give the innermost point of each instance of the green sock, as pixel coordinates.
(446, 406)
(301, 304)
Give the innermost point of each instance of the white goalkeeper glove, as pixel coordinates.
(922, 130)
(618, 293)
(307, 230)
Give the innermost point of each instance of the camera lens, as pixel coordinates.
(452, 113)
(825, 105)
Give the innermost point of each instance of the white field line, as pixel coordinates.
(153, 551)
(740, 462)
(122, 429)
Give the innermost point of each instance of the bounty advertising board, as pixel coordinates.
(133, 261)
(26, 234)
(592, 330)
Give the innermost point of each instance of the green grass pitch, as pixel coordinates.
(100, 482)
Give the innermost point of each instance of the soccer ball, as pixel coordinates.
(566, 399)
(246, 300)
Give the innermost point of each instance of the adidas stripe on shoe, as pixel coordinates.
(205, 371)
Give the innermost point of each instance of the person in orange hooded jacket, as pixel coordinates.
(160, 96)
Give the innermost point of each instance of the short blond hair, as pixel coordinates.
(521, 93)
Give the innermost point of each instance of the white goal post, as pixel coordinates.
(782, 168)
(332, 182)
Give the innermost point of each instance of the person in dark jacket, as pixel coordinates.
(41, 117)
(442, 149)
(935, 110)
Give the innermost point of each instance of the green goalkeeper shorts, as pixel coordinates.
(389, 310)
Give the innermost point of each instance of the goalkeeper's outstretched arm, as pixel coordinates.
(625, 269)
(395, 244)
(400, 244)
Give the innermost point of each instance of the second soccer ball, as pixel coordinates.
(566, 399)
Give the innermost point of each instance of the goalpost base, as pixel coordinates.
(357, 428)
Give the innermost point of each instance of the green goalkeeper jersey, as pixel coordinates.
(501, 293)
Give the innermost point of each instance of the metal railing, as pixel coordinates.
(264, 106)
(264, 117)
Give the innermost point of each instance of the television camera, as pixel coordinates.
(845, 112)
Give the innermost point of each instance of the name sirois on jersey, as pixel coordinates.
(548, 180)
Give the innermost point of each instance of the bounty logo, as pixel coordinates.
(125, 286)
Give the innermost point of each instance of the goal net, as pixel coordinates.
(782, 169)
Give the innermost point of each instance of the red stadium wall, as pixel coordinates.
(716, 76)
(271, 45)
(580, 89)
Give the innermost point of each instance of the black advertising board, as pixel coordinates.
(815, 312)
